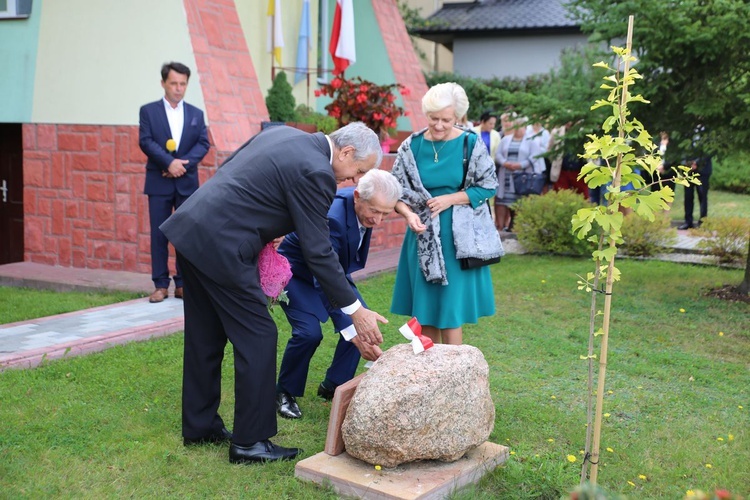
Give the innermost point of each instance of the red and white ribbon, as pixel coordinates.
(412, 330)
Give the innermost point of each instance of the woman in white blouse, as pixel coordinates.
(517, 151)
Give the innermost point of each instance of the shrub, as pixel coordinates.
(732, 173)
(543, 223)
(644, 238)
(725, 237)
(280, 101)
(323, 123)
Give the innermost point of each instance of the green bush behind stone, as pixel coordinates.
(543, 223)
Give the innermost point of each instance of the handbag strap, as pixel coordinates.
(466, 157)
(466, 166)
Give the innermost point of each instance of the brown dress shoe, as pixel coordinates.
(158, 296)
(178, 292)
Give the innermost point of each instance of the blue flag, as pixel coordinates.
(303, 44)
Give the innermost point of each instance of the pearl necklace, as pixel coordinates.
(436, 151)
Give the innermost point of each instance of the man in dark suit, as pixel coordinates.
(173, 136)
(281, 180)
(702, 167)
(355, 211)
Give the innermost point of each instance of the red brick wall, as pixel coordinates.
(403, 59)
(83, 197)
(84, 205)
(235, 103)
(83, 184)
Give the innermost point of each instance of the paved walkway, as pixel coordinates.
(27, 343)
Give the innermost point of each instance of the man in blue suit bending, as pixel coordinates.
(173, 136)
(353, 214)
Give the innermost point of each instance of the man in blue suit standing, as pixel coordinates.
(173, 136)
(353, 214)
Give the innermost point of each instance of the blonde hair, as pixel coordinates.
(444, 95)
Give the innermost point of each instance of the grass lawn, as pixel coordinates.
(720, 203)
(678, 380)
(20, 304)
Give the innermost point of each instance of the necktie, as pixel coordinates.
(362, 230)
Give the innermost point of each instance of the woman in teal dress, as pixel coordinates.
(445, 207)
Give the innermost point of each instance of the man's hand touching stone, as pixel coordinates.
(368, 351)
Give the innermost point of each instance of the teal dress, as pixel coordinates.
(468, 295)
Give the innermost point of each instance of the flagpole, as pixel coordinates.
(324, 46)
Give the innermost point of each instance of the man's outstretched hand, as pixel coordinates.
(368, 351)
(366, 323)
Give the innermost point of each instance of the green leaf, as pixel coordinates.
(615, 274)
(608, 123)
(599, 103)
(638, 98)
(606, 255)
(597, 178)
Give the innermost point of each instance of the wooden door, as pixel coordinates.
(11, 193)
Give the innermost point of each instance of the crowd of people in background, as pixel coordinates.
(516, 144)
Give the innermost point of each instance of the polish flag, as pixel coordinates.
(412, 330)
(342, 47)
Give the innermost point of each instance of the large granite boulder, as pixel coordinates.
(432, 405)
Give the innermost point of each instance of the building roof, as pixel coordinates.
(493, 17)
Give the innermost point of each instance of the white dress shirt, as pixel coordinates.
(176, 119)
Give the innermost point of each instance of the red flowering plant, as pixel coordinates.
(359, 100)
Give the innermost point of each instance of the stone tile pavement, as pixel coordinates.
(27, 343)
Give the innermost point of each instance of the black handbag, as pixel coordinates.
(528, 183)
(473, 262)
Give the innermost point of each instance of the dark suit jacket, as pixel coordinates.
(280, 181)
(153, 135)
(303, 290)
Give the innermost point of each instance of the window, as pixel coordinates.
(15, 9)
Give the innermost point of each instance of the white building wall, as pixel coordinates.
(98, 62)
(515, 56)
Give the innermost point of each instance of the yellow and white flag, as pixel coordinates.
(275, 39)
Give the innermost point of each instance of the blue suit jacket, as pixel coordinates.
(303, 290)
(153, 135)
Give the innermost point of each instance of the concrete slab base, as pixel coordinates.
(417, 480)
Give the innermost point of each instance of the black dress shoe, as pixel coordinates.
(218, 437)
(685, 226)
(325, 393)
(262, 451)
(286, 406)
